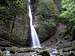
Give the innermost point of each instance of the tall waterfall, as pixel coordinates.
(35, 39)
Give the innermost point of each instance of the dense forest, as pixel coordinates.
(53, 20)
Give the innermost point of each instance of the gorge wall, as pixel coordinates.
(18, 31)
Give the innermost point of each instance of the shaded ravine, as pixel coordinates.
(35, 39)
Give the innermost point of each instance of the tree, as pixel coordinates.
(68, 15)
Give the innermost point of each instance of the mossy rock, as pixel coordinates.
(23, 50)
(1, 53)
(13, 50)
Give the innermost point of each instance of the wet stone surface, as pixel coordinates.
(38, 52)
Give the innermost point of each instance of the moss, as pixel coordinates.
(1, 53)
(13, 50)
(52, 7)
(45, 5)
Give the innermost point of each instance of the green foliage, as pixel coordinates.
(49, 24)
(68, 15)
(47, 8)
(52, 7)
(68, 10)
(42, 9)
(9, 10)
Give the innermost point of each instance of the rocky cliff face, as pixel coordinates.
(44, 18)
(43, 22)
(21, 33)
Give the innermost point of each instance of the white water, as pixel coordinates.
(7, 53)
(54, 52)
(35, 39)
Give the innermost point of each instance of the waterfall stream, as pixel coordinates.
(35, 39)
(7, 53)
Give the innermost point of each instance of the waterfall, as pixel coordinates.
(35, 39)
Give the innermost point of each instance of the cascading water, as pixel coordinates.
(35, 39)
(7, 53)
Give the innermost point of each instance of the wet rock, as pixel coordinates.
(72, 54)
(44, 53)
(13, 50)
